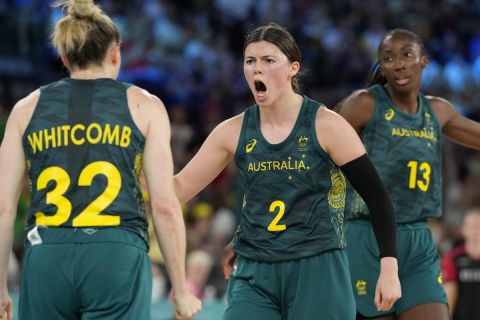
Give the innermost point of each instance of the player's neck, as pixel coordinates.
(407, 102)
(90, 74)
(285, 110)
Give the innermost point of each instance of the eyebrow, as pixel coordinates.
(261, 57)
(407, 46)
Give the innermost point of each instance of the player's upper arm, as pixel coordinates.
(337, 137)
(454, 125)
(142, 104)
(12, 156)
(150, 116)
(212, 157)
(357, 109)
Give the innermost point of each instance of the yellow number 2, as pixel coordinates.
(92, 215)
(274, 226)
(423, 183)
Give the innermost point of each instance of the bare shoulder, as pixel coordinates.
(231, 125)
(227, 133)
(443, 109)
(141, 97)
(357, 109)
(438, 102)
(360, 97)
(145, 107)
(337, 137)
(327, 120)
(23, 110)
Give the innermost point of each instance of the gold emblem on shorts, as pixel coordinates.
(440, 279)
(361, 287)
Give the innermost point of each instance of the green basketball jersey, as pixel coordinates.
(294, 195)
(405, 149)
(84, 155)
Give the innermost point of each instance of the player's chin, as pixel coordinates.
(260, 97)
(406, 88)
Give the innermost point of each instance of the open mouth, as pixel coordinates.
(402, 81)
(260, 86)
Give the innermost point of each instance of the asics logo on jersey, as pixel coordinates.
(249, 147)
(389, 114)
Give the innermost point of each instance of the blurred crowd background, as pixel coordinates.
(189, 53)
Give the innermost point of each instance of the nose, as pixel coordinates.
(399, 63)
(257, 68)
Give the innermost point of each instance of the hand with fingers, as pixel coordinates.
(6, 307)
(388, 286)
(186, 305)
(229, 260)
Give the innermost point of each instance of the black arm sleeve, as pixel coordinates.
(364, 178)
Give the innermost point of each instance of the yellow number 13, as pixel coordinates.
(421, 183)
(90, 216)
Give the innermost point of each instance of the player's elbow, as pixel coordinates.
(7, 207)
(165, 208)
(181, 189)
(8, 211)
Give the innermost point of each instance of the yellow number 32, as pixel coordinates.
(91, 216)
